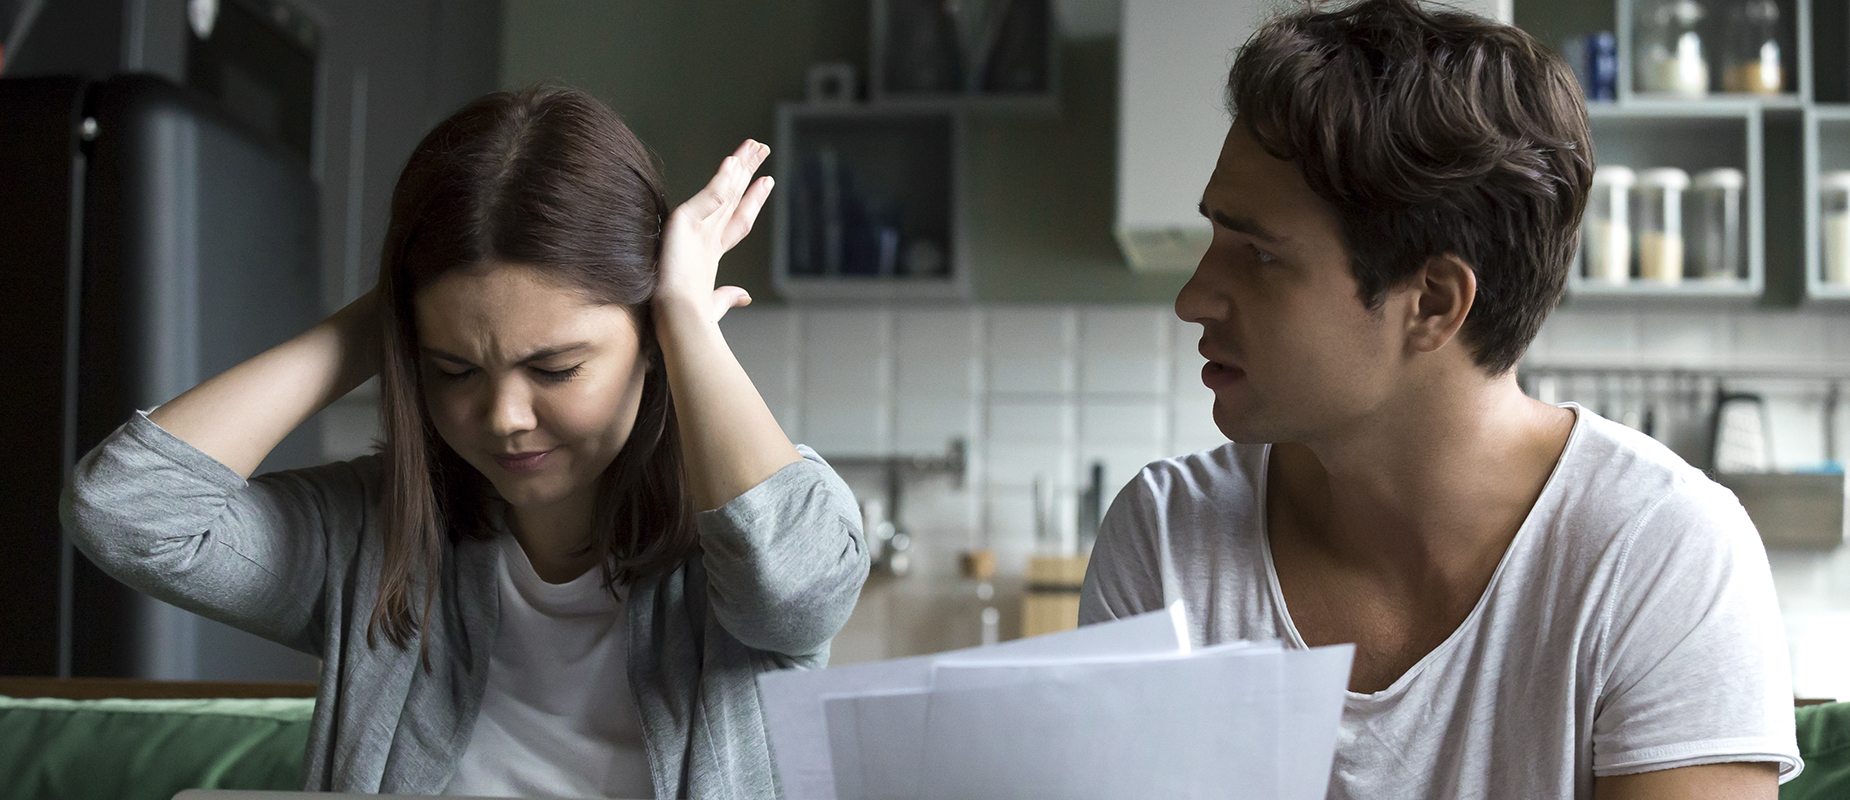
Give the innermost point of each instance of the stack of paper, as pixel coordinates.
(1124, 709)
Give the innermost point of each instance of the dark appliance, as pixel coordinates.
(152, 240)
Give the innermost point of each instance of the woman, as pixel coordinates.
(585, 535)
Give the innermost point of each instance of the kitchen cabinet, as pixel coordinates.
(1784, 142)
(1173, 60)
(867, 206)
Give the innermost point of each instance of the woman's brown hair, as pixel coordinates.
(548, 178)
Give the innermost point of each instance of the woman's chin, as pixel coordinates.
(528, 492)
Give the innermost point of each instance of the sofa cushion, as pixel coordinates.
(1824, 743)
(132, 749)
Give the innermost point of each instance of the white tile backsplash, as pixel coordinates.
(846, 364)
(1122, 349)
(936, 353)
(1592, 335)
(926, 423)
(1031, 348)
(766, 343)
(1038, 422)
(1684, 337)
(1123, 422)
(1783, 337)
(1019, 464)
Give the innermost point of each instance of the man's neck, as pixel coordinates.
(1434, 490)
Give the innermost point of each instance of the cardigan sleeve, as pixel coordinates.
(169, 520)
(785, 560)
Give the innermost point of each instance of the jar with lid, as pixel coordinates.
(1606, 236)
(1751, 53)
(1835, 215)
(1669, 48)
(1657, 216)
(1714, 218)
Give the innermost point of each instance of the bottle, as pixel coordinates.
(1751, 56)
(1714, 233)
(1669, 49)
(923, 52)
(1659, 222)
(1835, 207)
(1607, 235)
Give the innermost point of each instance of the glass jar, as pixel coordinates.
(1657, 216)
(1669, 48)
(1606, 236)
(1750, 56)
(1834, 211)
(1714, 217)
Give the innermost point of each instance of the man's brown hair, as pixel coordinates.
(1432, 133)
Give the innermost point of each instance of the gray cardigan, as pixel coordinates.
(295, 557)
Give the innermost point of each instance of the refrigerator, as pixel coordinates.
(149, 240)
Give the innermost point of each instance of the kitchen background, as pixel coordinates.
(1041, 349)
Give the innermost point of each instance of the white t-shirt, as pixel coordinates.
(558, 719)
(1631, 626)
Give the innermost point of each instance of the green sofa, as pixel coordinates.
(1824, 742)
(52, 749)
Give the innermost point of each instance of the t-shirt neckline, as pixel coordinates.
(1524, 532)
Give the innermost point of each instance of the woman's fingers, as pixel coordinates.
(747, 211)
(723, 193)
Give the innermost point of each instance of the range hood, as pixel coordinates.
(1173, 58)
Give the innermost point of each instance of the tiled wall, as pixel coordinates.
(1043, 391)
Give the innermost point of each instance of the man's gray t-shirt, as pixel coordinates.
(1632, 625)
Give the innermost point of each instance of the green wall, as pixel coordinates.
(695, 78)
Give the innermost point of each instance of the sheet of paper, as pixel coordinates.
(873, 758)
(1194, 726)
(796, 720)
(1315, 685)
(883, 733)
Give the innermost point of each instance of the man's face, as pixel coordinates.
(1293, 355)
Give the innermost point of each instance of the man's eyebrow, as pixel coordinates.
(537, 355)
(1250, 227)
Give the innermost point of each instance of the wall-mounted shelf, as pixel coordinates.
(1693, 135)
(1782, 142)
(995, 57)
(867, 207)
(1827, 149)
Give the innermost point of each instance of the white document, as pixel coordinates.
(1201, 725)
(1316, 681)
(797, 721)
(879, 741)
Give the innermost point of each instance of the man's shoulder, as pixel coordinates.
(1641, 491)
(1231, 471)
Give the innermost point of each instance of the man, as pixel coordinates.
(1543, 602)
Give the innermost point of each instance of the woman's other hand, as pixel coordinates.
(704, 228)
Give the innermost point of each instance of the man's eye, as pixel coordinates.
(1262, 256)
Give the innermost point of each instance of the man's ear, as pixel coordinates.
(1444, 290)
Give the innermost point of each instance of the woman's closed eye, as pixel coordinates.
(559, 375)
(548, 375)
